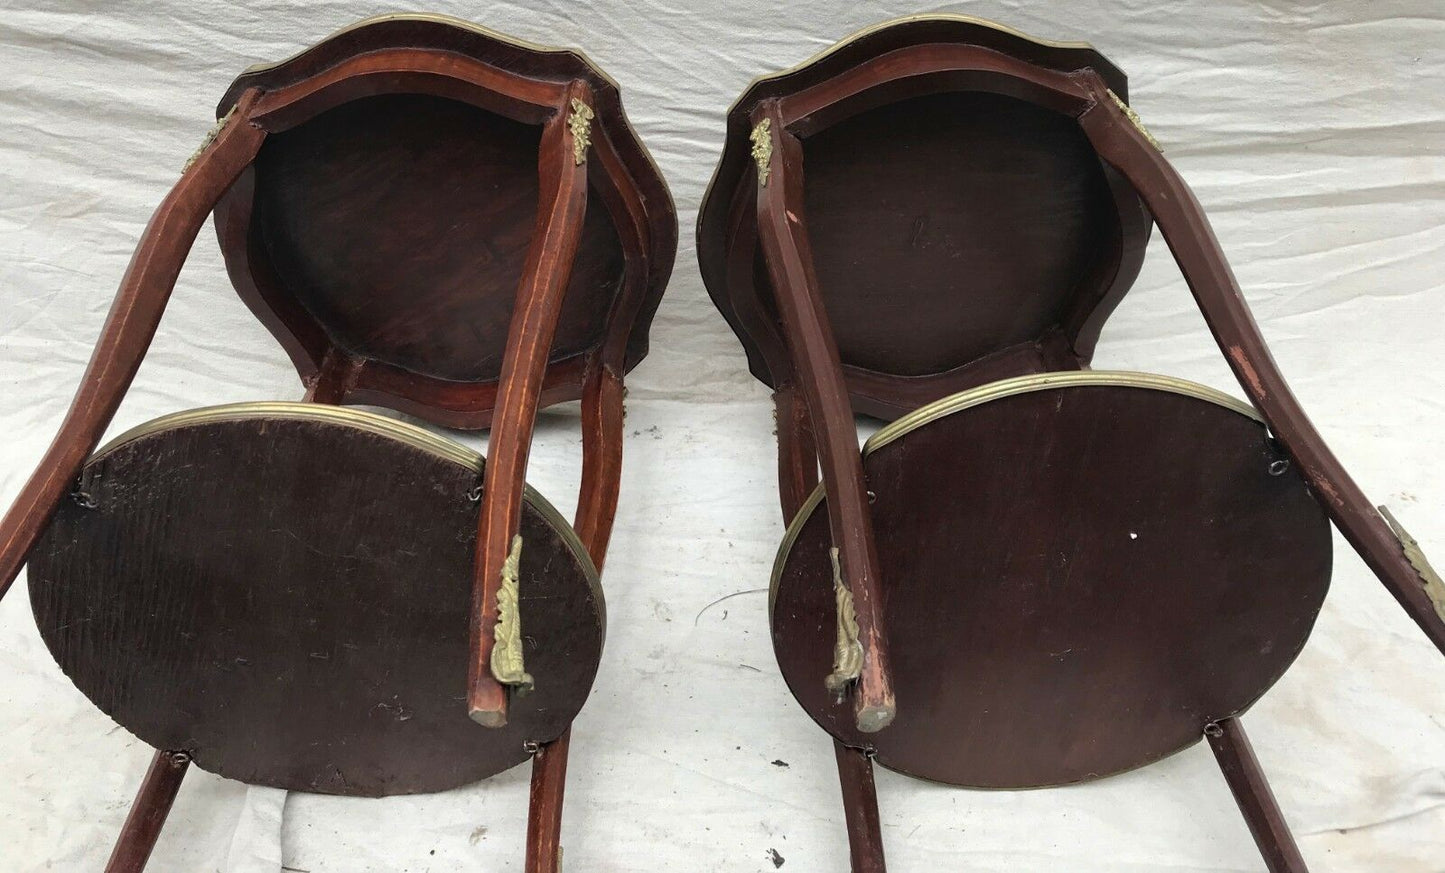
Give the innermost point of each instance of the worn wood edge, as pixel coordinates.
(429, 18)
(391, 428)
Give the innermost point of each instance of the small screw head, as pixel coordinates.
(872, 498)
(1213, 730)
(475, 495)
(1278, 468)
(85, 499)
(532, 747)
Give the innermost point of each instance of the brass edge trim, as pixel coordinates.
(405, 432)
(996, 391)
(870, 29)
(790, 537)
(1042, 381)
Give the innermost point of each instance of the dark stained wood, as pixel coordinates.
(797, 450)
(148, 812)
(797, 477)
(1246, 780)
(783, 235)
(860, 809)
(1191, 240)
(128, 330)
(1079, 578)
(380, 235)
(410, 71)
(335, 378)
(390, 217)
(402, 224)
(962, 226)
(240, 592)
(949, 226)
(602, 419)
(544, 809)
(539, 297)
(907, 133)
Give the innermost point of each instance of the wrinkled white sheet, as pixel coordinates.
(1313, 133)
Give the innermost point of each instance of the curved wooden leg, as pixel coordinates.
(148, 812)
(561, 208)
(860, 809)
(602, 420)
(544, 815)
(1399, 564)
(602, 412)
(1251, 791)
(134, 316)
(783, 236)
(797, 451)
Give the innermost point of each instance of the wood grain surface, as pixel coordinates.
(286, 599)
(1079, 580)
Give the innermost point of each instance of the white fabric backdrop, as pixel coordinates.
(1312, 132)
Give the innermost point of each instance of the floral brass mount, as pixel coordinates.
(209, 138)
(1429, 579)
(847, 651)
(507, 665)
(762, 137)
(579, 121)
(1135, 120)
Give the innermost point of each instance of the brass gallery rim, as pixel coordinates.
(403, 432)
(996, 391)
